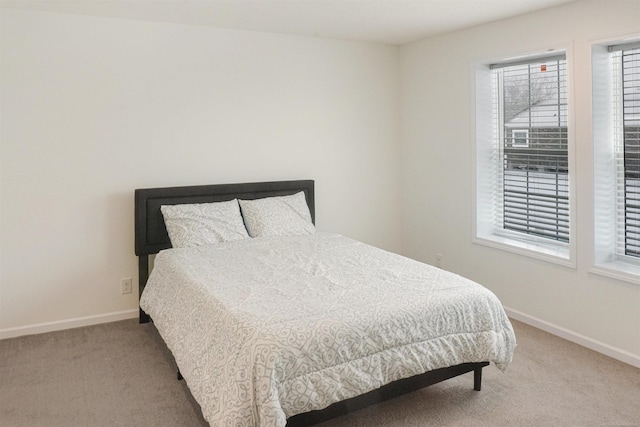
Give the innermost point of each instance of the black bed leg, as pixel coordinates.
(477, 379)
(143, 275)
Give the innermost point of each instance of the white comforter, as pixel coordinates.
(266, 328)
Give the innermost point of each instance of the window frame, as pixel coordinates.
(485, 172)
(607, 139)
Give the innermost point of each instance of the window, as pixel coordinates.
(627, 98)
(522, 156)
(616, 116)
(520, 138)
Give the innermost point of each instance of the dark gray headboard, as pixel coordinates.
(151, 234)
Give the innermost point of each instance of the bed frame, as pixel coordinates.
(151, 237)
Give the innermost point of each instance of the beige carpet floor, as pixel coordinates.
(121, 374)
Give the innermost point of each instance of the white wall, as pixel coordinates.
(437, 158)
(93, 108)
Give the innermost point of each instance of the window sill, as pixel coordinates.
(556, 254)
(618, 270)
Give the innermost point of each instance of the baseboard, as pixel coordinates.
(600, 347)
(59, 325)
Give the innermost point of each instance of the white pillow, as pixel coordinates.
(203, 223)
(277, 216)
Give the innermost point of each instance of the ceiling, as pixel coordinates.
(380, 21)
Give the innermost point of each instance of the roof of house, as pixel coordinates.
(543, 114)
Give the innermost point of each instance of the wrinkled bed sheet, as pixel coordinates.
(263, 329)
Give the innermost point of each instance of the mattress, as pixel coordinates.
(263, 329)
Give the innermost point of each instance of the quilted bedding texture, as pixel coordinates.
(263, 329)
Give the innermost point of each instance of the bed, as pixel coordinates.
(295, 329)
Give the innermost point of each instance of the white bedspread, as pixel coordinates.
(266, 328)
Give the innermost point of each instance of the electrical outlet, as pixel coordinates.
(439, 260)
(126, 285)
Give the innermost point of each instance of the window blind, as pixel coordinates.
(627, 98)
(532, 151)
